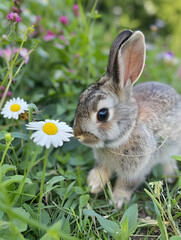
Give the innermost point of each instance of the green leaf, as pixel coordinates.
(158, 208)
(29, 209)
(20, 135)
(132, 216)
(1, 214)
(16, 178)
(32, 105)
(21, 225)
(45, 217)
(158, 171)
(160, 222)
(83, 200)
(179, 181)
(30, 191)
(54, 233)
(175, 238)
(110, 226)
(2, 136)
(52, 181)
(7, 167)
(178, 158)
(124, 235)
(65, 225)
(79, 190)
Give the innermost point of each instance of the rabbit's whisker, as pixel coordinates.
(141, 155)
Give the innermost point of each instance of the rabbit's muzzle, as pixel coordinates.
(84, 137)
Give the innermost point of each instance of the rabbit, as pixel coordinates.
(130, 129)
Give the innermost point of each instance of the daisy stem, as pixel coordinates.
(42, 184)
(30, 114)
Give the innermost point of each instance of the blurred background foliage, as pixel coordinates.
(59, 69)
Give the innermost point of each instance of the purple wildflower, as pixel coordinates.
(14, 17)
(16, 2)
(10, 16)
(38, 18)
(167, 57)
(2, 88)
(76, 10)
(9, 52)
(61, 37)
(6, 53)
(77, 55)
(23, 53)
(15, 10)
(49, 35)
(64, 20)
(8, 94)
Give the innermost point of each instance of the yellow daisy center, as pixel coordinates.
(15, 107)
(50, 129)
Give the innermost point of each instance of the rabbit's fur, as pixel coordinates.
(143, 127)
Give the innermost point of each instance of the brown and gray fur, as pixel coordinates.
(144, 123)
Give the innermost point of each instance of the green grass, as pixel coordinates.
(44, 194)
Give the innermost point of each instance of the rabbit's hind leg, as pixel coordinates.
(123, 190)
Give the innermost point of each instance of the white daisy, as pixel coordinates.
(50, 132)
(14, 107)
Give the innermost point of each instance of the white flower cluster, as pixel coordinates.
(47, 133)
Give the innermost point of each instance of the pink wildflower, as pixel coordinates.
(49, 35)
(6, 53)
(9, 94)
(76, 10)
(14, 17)
(61, 37)
(5, 37)
(2, 88)
(18, 19)
(38, 18)
(70, 70)
(10, 16)
(16, 2)
(64, 20)
(23, 53)
(77, 55)
(16, 10)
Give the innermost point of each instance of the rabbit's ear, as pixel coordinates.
(127, 58)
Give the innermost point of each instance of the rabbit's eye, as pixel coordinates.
(103, 115)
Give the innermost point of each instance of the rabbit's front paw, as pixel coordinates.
(120, 197)
(97, 178)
